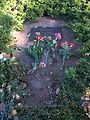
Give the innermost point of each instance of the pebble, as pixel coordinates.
(57, 90)
(47, 79)
(53, 55)
(51, 73)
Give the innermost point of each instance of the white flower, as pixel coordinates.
(9, 87)
(1, 90)
(1, 56)
(4, 59)
(17, 96)
(4, 84)
(54, 41)
(28, 35)
(19, 104)
(87, 98)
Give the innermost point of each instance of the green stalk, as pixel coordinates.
(35, 66)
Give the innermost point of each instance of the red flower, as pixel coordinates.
(49, 37)
(71, 45)
(42, 38)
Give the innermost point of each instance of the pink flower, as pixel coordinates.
(37, 33)
(58, 36)
(56, 45)
(42, 64)
(39, 37)
(64, 43)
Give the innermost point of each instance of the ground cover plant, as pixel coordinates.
(70, 105)
(12, 87)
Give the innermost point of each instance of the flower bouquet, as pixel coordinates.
(64, 52)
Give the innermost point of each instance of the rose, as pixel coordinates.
(58, 36)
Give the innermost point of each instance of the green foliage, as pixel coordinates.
(83, 72)
(12, 87)
(34, 9)
(10, 70)
(84, 51)
(6, 25)
(70, 73)
(34, 51)
(54, 8)
(81, 29)
(15, 8)
(61, 113)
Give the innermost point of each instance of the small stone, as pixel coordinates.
(50, 63)
(14, 112)
(23, 85)
(53, 49)
(47, 79)
(51, 73)
(53, 55)
(57, 90)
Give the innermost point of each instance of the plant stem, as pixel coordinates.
(35, 66)
(46, 56)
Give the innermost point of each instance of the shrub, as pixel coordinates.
(81, 29)
(84, 51)
(6, 25)
(12, 87)
(35, 9)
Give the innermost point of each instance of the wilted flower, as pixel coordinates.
(42, 64)
(37, 33)
(58, 36)
(49, 37)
